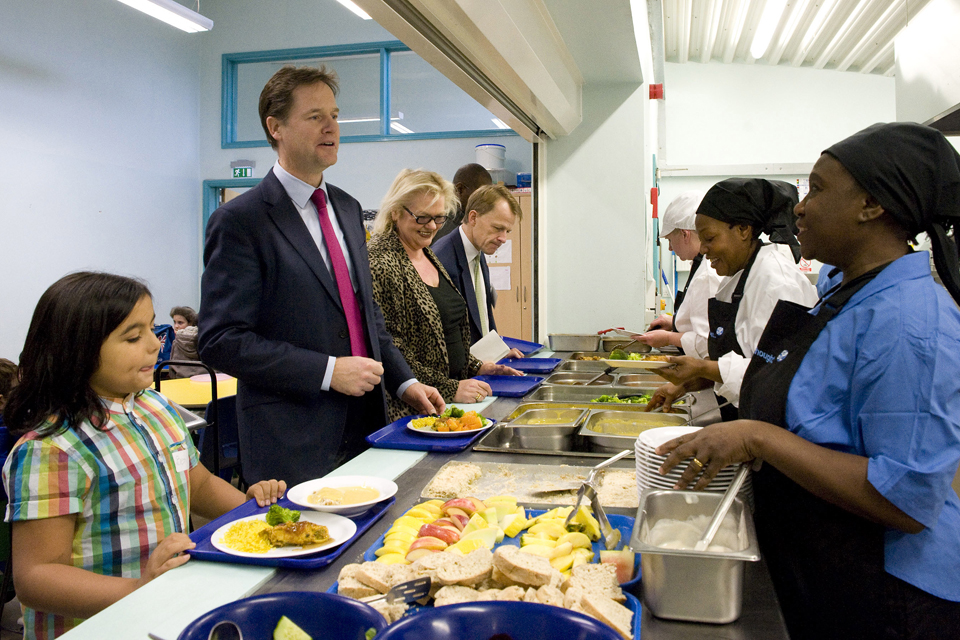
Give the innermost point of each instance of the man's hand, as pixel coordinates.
(353, 376)
(515, 353)
(424, 399)
(663, 322)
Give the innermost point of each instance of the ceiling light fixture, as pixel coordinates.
(772, 13)
(354, 8)
(399, 128)
(172, 13)
(500, 124)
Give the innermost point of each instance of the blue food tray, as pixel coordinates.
(623, 523)
(532, 365)
(524, 347)
(206, 551)
(511, 386)
(396, 436)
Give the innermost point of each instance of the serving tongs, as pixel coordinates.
(588, 490)
(725, 503)
(404, 592)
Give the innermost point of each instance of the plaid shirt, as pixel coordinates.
(120, 481)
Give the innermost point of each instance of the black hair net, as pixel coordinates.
(914, 173)
(766, 205)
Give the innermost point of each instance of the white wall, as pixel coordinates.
(99, 170)
(593, 224)
(928, 67)
(365, 169)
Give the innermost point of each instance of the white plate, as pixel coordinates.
(299, 494)
(637, 364)
(340, 529)
(655, 437)
(487, 423)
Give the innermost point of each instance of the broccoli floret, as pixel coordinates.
(452, 412)
(278, 515)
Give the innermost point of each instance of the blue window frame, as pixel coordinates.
(393, 95)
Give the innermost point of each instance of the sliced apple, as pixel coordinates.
(393, 558)
(562, 550)
(421, 514)
(586, 554)
(428, 542)
(532, 539)
(402, 528)
(488, 536)
(400, 535)
(476, 522)
(466, 546)
(407, 521)
(415, 554)
(537, 550)
(490, 515)
(459, 519)
(441, 533)
(552, 529)
(578, 560)
(465, 505)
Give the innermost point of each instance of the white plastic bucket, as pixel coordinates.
(491, 156)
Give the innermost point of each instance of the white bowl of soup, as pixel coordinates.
(343, 495)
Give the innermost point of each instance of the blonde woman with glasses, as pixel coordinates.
(424, 312)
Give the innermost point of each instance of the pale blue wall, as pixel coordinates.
(99, 122)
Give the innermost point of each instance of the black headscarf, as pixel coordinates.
(914, 173)
(766, 205)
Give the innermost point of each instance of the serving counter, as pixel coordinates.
(162, 608)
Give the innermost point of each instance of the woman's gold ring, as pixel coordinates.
(479, 397)
(699, 464)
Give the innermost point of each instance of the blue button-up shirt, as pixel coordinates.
(882, 381)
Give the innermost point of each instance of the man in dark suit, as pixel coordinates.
(466, 180)
(491, 213)
(287, 300)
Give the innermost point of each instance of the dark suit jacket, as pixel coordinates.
(454, 259)
(270, 314)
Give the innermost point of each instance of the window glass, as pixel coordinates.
(359, 98)
(422, 100)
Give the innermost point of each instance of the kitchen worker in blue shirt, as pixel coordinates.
(854, 406)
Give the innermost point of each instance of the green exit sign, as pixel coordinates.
(243, 172)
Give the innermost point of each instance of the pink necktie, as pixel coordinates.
(358, 344)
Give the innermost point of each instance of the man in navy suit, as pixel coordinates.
(466, 180)
(491, 213)
(287, 300)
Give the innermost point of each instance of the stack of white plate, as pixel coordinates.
(649, 463)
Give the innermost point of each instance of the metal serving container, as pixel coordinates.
(609, 343)
(580, 378)
(574, 341)
(551, 428)
(642, 380)
(604, 436)
(696, 586)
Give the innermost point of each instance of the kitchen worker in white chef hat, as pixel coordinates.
(689, 326)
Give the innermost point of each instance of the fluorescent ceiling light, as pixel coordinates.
(357, 10)
(399, 128)
(768, 22)
(172, 13)
(500, 124)
(352, 120)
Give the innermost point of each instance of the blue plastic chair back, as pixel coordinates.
(166, 335)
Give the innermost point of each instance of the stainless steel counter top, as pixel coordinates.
(761, 618)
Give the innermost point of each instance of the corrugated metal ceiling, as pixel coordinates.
(845, 35)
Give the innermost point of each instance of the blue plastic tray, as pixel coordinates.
(526, 348)
(532, 365)
(206, 551)
(511, 386)
(396, 436)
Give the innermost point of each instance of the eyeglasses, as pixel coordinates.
(438, 220)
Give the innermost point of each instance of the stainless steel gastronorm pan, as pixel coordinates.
(545, 428)
(609, 343)
(574, 341)
(696, 586)
(580, 378)
(610, 429)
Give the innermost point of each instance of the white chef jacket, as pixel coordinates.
(692, 321)
(774, 277)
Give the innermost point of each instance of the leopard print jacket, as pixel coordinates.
(413, 319)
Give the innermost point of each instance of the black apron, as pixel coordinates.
(826, 563)
(723, 329)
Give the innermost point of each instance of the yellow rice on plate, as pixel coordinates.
(423, 423)
(245, 536)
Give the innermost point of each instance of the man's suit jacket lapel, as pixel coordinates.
(288, 221)
(466, 281)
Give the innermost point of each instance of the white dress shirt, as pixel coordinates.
(773, 277)
(472, 254)
(692, 321)
(300, 193)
